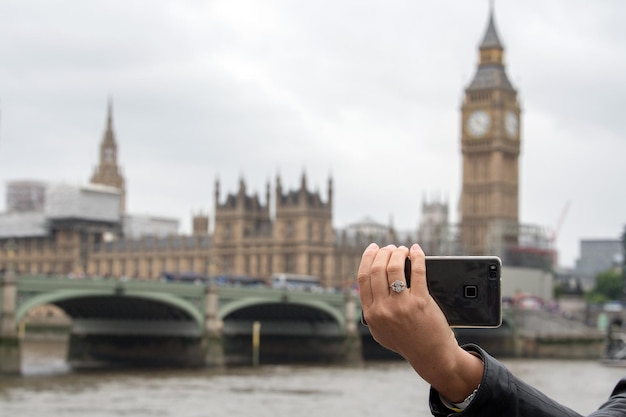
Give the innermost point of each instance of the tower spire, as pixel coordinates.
(108, 172)
(491, 38)
(108, 140)
(491, 71)
(110, 114)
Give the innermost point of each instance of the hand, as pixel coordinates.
(408, 322)
(411, 323)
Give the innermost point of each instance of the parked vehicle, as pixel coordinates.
(240, 281)
(296, 282)
(186, 277)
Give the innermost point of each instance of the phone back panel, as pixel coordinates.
(467, 289)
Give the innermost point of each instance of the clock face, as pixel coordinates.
(512, 124)
(478, 123)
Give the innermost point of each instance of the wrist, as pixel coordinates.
(460, 381)
(458, 407)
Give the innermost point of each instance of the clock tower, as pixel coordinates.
(490, 146)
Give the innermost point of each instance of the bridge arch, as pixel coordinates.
(57, 297)
(233, 306)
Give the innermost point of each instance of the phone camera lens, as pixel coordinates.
(493, 271)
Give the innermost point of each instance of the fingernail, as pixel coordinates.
(372, 246)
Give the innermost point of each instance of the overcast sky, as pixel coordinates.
(367, 92)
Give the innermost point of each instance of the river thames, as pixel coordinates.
(50, 388)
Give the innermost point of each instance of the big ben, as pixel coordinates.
(490, 146)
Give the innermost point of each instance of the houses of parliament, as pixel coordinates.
(86, 230)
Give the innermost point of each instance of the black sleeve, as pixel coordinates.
(616, 405)
(503, 394)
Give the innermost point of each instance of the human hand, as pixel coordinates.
(407, 321)
(411, 323)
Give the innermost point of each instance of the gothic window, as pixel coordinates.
(136, 268)
(290, 263)
(227, 262)
(149, 265)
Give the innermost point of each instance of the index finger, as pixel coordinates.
(364, 275)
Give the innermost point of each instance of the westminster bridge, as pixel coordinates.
(182, 324)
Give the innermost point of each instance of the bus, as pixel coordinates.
(186, 277)
(201, 279)
(296, 282)
(239, 281)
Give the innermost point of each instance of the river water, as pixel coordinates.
(49, 388)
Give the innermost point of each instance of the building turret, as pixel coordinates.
(217, 191)
(330, 192)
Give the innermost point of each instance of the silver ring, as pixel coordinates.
(398, 286)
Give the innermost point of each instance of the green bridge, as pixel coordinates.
(182, 324)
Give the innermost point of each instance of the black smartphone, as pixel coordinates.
(466, 288)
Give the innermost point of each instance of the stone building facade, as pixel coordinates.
(296, 238)
(248, 240)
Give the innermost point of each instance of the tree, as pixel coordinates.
(609, 286)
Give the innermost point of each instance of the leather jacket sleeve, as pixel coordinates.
(502, 394)
(616, 404)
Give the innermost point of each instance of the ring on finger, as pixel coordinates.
(398, 286)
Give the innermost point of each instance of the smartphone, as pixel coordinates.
(466, 288)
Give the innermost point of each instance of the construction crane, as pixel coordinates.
(557, 229)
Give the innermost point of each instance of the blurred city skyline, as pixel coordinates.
(368, 94)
